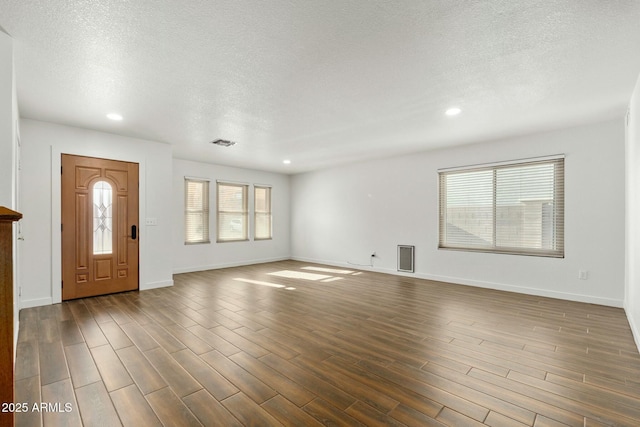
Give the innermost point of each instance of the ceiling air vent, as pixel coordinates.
(223, 142)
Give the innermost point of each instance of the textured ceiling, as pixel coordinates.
(322, 82)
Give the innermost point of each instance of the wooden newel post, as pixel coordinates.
(7, 218)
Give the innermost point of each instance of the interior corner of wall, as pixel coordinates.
(632, 324)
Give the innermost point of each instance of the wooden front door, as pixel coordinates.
(99, 226)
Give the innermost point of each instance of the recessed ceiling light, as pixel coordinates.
(453, 111)
(286, 162)
(114, 116)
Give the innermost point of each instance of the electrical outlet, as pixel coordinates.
(583, 274)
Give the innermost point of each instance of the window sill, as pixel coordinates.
(505, 251)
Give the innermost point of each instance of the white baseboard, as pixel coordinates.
(49, 301)
(611, 302)
(195, 268)
(156, 285)
(344, 265)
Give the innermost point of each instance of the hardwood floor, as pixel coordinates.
(296, 344)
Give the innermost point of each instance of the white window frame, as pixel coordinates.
(203, 211)
(268, 213)
(554, 238)
(244, 212)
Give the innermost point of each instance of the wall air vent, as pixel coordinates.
(223, 142)
(405, 258)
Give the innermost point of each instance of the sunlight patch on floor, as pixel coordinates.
(328, 270)
(331, 279)
(258, 282)
(299, 275)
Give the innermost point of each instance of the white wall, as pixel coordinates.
(217, 255)
(40, 260)
(632, 221)
(342, 215)
(7, 123)
(8, 151)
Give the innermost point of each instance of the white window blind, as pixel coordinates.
(196, 214)
(232, 212)
(262, 212)
(513, 208)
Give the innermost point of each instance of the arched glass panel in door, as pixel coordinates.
(102, 218)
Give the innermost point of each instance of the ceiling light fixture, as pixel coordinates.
(286, 162)
(223, 142)
(453, 111)
(114, 116)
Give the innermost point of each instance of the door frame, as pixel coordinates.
(56, 211)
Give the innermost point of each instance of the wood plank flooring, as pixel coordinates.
(297, 344)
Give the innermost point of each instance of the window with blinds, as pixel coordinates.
(515, 208)
(196, 215)
(262, 212)
(233, 212)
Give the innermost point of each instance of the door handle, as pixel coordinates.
(134, 232)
